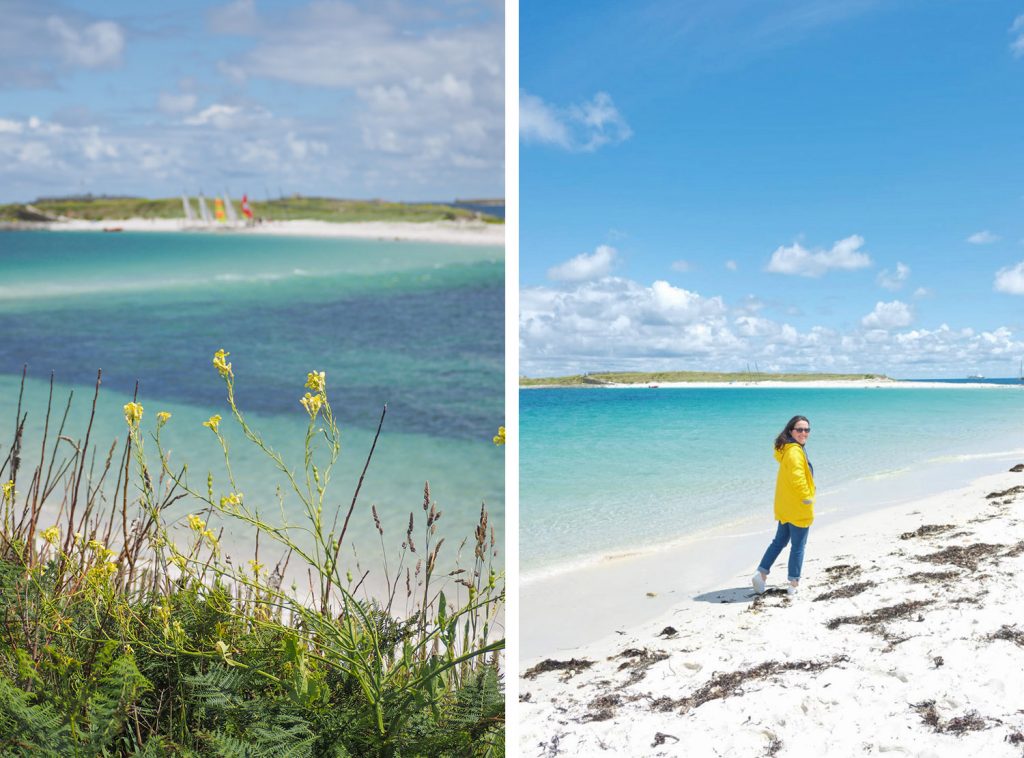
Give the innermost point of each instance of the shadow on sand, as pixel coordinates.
(730, 595)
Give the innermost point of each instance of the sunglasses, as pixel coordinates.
(802, 429)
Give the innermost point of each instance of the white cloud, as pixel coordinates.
(169, 102)
(97, 44)
(894, 280)
(923, 292)
(219, 115)
(1011, 280)
(424, 97)
(1017, 28)
(301, 148)
(585, 266)
(581, 127)
(614, 318)
(888, 316)
(682, 266)
(799, 261)
(984, 237)
(538, 122)
(614, 323)
(731, 265)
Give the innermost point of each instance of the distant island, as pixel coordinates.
(607, 378)
(290, 208)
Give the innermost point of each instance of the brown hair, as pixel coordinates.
(786, 435)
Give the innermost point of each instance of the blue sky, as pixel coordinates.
(807, 185)
(399, 99)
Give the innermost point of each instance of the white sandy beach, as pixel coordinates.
(447, 232)
(770, 384)
(919, 651)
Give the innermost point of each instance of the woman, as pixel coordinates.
(794, 503)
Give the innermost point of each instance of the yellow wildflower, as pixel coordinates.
(179, 560)
(195, 523)
(222, 366)
(231, 501)
(162, 417)
(213, 423)
(133, 413)
(311, 403)
(499, 438)
(256, 567)
(316, 381)
(9, 492)
(51, 535)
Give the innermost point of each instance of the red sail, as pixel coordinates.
(246, 210)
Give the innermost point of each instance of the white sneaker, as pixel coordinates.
(791, 590)
(758, 581)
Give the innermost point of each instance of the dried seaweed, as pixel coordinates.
(1010, 492)
(642, 660)
(927, 531)
(848, 591)
(602, 708)
(924, 577)
(889, 613)
(842, 571)
(725, 685)
(573, 666)
(1011, 633)
(964, 556)
(1016, 550)
(969, 722)
(759, 600)
(660, 737)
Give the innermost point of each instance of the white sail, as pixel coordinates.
(204, 212)
(190, 216)
(229, 209)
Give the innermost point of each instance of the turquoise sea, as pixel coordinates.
(606, 472)
(417, 326)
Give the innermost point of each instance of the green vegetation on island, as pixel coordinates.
(281, 209)
(667, 377)
(129, 632)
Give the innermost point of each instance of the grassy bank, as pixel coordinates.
(126, 633)
(282, 209)
(665, 377)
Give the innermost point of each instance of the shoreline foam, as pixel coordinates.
(907, 663)
(445, 232)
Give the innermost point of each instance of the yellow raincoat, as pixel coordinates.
(794, 488)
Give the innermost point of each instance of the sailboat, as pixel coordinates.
(204, 212)
(229, 209)
(190, 216)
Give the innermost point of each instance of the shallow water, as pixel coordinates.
(604, 472)
(416, 326)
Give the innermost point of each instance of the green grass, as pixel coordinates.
(659, 377)
(123, 635)
(284, 209)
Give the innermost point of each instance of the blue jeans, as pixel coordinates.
(787, 533)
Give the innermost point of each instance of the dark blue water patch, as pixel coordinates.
(435, 355)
